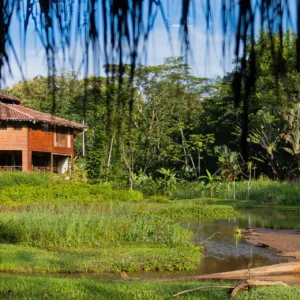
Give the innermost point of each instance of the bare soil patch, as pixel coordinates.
(286, 242)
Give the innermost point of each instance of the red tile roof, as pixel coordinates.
(15, 112)
(9, 99)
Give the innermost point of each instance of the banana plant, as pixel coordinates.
(229, 165)
(168, 180)
(211, 180)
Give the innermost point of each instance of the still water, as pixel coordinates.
(223, 252)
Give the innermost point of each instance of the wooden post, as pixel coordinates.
(71, 164)
(26, 160)
(13, 159)
(83, 139)
(51, 162)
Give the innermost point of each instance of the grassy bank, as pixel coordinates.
(262, 191)
(66, 192)
(49, 225)
(201, 209)
(56, 227)
(93, 239)
(19, 189)
(22, 259)
(16, 287)
(98, 238)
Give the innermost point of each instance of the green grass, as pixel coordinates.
(271, 293)
(20, 189)
(20, 259)
(15, 179)
(243, 204)
(263, 191)
(192, 209)
(17, 287)
(57, 227)
(65, 192)
(97, 238)
(55, 288)
(78, 227)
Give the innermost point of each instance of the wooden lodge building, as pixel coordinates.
(32, 140)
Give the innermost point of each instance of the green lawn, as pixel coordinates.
(17, 287)
(16, 258)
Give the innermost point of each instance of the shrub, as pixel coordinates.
(67, 192)
(159, 199)
(15, 179)
(263, 190)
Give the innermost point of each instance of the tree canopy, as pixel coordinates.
(179, 123)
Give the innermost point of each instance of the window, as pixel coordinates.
(17, 126)
(60, 137)
(35, 126)
(3, 126)
(45, 127)
(69, 139)
(57, 137)
(63, 139)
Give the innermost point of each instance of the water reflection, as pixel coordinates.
(269, 218)
(223, 252)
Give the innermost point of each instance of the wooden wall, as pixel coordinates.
(40, 141)
(29, 140)
(11, 139)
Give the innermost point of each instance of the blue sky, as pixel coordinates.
(204, 61)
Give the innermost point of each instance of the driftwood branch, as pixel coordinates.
(205, 287)
(237, 288)
(254, 283)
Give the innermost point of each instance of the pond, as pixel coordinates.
(223, 252)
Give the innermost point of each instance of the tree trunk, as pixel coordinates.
(184, 150)
(199, 163)
(228, 190)
(109, 157)
(249, 184)
(234, 190)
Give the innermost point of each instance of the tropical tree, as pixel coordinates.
(291, 136)
(266, 133)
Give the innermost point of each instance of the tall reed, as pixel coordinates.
(54, 227)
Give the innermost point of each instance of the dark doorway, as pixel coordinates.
(41, 161)
(10, 160)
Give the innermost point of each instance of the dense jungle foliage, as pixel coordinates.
(177, 127)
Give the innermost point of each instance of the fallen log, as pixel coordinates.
(291, 268)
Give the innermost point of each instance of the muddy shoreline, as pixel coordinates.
(285, 242)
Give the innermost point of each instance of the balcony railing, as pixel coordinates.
(10, 168)
(45, 169)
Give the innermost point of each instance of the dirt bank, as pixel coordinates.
(286, 242)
